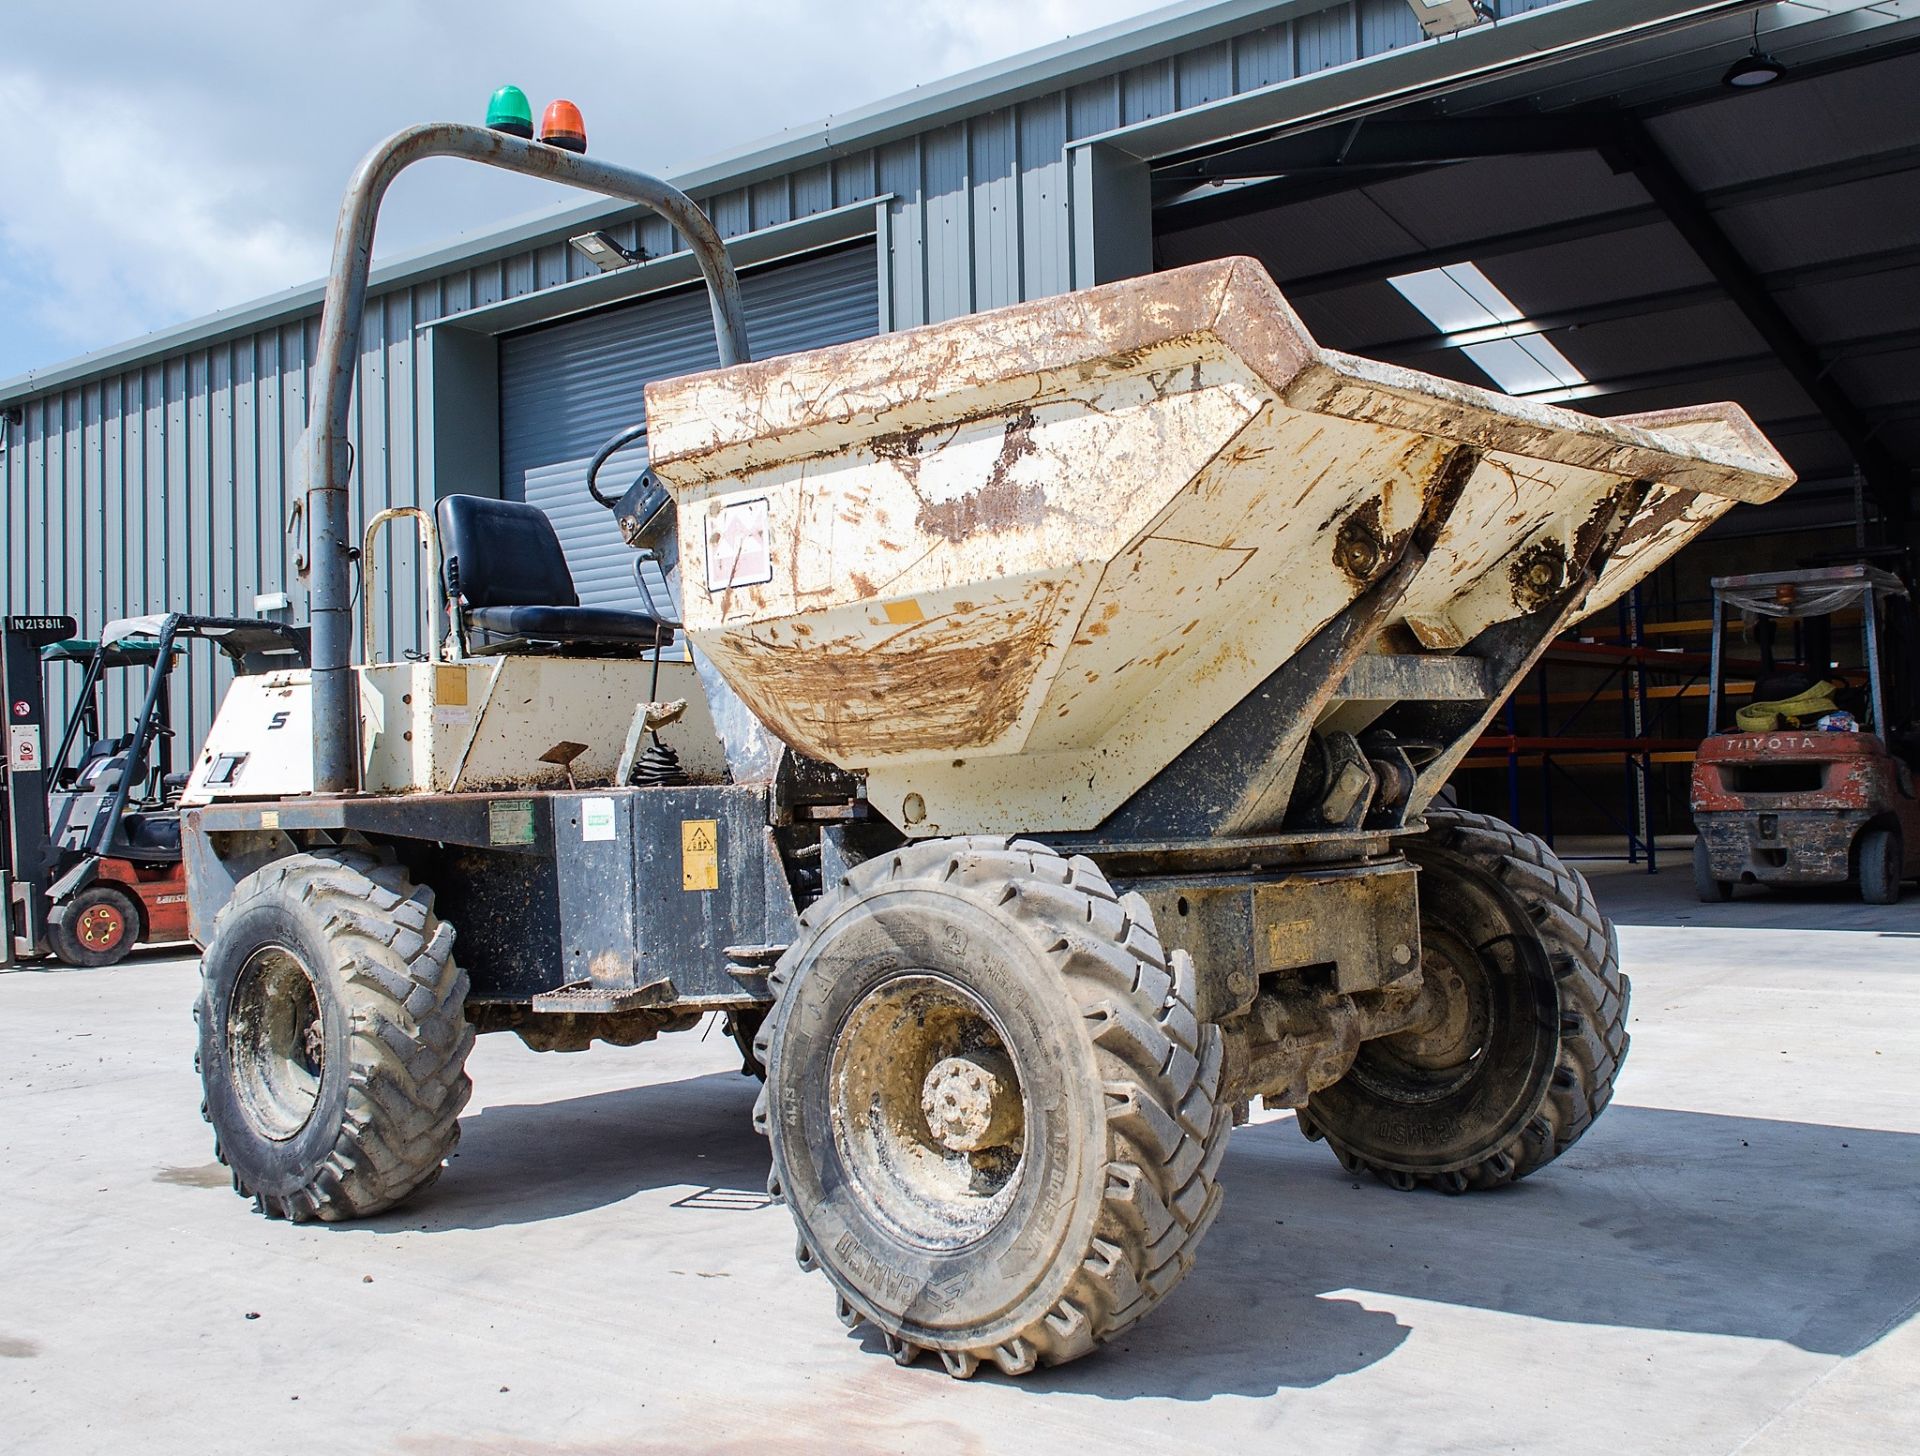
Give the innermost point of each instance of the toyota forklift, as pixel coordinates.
(93, 862)
(1811, 781)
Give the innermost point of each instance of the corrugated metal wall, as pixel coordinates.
(567, 387)
(164, 487)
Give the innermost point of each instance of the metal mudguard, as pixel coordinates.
(626, 898)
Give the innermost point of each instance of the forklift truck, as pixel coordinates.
(93, 859)
(1811, 782)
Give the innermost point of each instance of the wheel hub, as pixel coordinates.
(927, 1110)
(101, 927)
(972, 1102)
(1452, 1016)
(276, 1041)
(1453, 1022)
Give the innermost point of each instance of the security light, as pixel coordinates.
(1444, 17)
(1755, 68)
(604, 252)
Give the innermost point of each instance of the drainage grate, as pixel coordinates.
(734, 1200)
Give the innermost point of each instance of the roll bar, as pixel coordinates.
(336, 756)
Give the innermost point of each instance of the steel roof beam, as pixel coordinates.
(1377, 142)
(1710, 369)
(1887, 477)
(1834, 350)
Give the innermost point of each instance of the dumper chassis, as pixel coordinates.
(1014, 898)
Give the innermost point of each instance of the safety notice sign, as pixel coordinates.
(23, 748)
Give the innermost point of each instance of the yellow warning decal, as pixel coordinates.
(1290, 943)
(904, 613)
(699, 854)
(450, 686)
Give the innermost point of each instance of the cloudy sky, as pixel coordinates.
(167, 161)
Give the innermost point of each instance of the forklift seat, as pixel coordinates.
(509, 583)
(155, 832)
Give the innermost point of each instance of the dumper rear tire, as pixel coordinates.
(992, 1112)
(1526, 1030)
(332, 1037)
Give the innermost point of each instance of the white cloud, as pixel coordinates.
(194, 155)
(119, 233)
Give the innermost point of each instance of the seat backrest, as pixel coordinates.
(500, 553)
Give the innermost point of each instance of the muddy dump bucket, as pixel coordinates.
(1050, 545)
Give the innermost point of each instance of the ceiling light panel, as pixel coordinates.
(1459, 298)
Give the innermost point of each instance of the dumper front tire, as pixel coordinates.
(332, 1037)
(1525, 1025)
(992, 1112)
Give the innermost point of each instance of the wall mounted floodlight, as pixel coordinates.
(604, 251)
(1444, 17)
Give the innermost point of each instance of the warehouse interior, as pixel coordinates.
(1632, 240)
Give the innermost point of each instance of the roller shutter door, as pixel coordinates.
(566, 387)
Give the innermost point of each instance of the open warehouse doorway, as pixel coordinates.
(1621, 235)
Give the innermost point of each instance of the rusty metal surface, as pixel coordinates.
(1015, 565)
(1299, 1038)
(1360, 924)
(1782, 846)
(1787, 807)
(1297, 969)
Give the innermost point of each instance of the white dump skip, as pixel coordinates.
(1017, 562)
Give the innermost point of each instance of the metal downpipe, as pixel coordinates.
(336, 755)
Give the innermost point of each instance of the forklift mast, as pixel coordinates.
(29, 850)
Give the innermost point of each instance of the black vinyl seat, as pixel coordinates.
(508, 580)
(157, 832)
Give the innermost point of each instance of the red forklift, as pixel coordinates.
(1811, 781)
(92, 863)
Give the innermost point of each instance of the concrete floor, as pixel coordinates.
(1727, 1263)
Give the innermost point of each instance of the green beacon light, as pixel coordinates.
(510, 112)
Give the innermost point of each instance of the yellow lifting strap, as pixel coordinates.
(1790, 712)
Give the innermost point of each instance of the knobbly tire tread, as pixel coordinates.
(1594, 996)
(410, 1036)
(1159, 1068)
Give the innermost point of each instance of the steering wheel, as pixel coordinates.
(607, 451)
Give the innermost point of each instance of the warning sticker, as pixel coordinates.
(699, 854)
(510, 821)
(738, 553)
(596, 819)
(23, 748)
